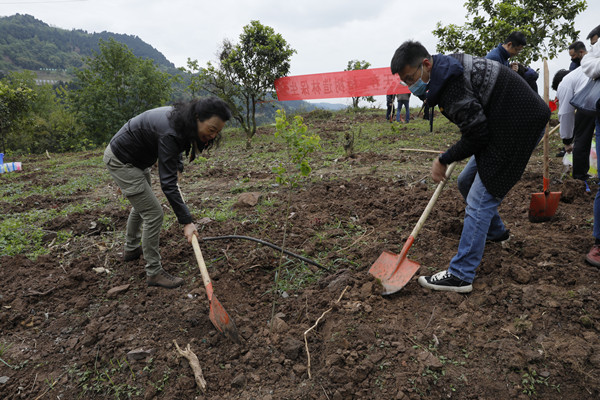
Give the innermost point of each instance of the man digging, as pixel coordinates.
(500, 119)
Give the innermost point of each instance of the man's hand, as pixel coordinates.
(438, 171)
(190, 230)
(569, 148)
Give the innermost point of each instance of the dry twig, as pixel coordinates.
(36, 293)
(314, 326)
(194, 363)
(422, 150)
(430, 318)
(364, 235)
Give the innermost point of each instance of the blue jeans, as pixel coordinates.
(482, 222)
(597, 199)
(405, 103)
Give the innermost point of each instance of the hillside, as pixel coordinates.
(53, 53)
(28, 43)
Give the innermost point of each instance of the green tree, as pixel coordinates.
(354, 65)
(246, 72)
(116, 86)
(46, 123)
(15, 101)
(548, 25)
(193, 77)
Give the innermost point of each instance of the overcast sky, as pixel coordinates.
(325, 33)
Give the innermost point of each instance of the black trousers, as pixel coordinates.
(583, 132)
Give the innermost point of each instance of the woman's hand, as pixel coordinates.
(438, 171)
(190, 230)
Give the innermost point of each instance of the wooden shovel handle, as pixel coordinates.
(546, 135)
(201, 264)
(432, 201)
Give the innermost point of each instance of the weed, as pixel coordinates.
(160, 385)
(522, 323)
(107, 380)
(530, 379)
(149, 367)
(295, 276)
(63, 236)
(4, 347)
(17, 236)
(106, 221)
(434, 375)
(238, 189)
(220, 215)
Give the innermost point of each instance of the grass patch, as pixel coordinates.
(18, 236)
(115, 379)
(295, 276)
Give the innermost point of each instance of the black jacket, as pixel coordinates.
(500, 118)
(147, 138)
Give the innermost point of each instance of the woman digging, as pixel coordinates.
(161, 134)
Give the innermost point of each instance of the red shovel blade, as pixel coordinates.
(393, 271)
(543, 206)
(221, 320)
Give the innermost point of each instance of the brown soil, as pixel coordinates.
(529, 329)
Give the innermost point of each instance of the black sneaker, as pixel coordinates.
(502, 238)
(445, 281)
(561, 153)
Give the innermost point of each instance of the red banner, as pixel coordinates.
(357, 83)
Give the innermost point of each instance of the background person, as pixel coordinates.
(161, 134)
(389, 99)
(590, 64)
(403, 100)
(593, 35)
(576, 51)
(583, 125)
(526, 73)
(512, 46)
(566, 112)
(500, 119)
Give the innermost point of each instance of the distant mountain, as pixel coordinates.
(28, 43)
(330, 106)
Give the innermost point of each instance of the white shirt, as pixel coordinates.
(571, 84)
(591, 65)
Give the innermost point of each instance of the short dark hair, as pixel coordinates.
(558, 77)
(577, 46)
(517, 38)
(409, 53)
(594, 32)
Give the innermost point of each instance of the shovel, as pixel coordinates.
(543, 205)
(218, 316)
(393, 270)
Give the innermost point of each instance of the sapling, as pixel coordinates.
(299, 146)
(296, 166)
